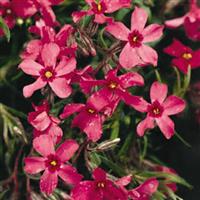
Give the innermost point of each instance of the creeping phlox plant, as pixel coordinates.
(93, 77)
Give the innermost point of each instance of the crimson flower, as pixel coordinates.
(49, 73)
(53, 163)
(115, 87)
(90, 117)
(158, 110)
(136, 52)
(100, 188)
(185, 57)
(98, 9)
(48, 35)
(44, 123)
(191, 21)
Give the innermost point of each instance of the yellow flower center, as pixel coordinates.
(48, 74)
(187, 56)
(135, 38)
(91, 111)
(53, 163)
(112, 85)
(101, 184)
(156, 111)
(99, 7)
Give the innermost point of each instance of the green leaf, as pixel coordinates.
(115, 130)
(182, 140)
(171, 177)
(5, 28)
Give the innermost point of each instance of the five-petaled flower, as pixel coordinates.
(136, 52)
(98, 9)
(185, 57)
(115, 87)
(49, 72)
(53, 162)
(158, 110)
(90, 117)
(100, 188)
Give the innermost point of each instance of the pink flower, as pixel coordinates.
(136, 52)
(44, 123)
(99, 8)
(185, 57)
(49, 72)
(53, 163)
(158, 110)
(90, 117)
(191, 21)
(144, 191)
(48, 35)
(115, 87)
(99, 189)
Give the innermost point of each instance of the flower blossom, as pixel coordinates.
(90, 117)
(116, 87)
(48, 35)
(99, 189)
(185, 57)
(136, 52)
(98, 9)
(159, 110)
(49, 73)
(53, 163)
(44, 123)
(191, 21)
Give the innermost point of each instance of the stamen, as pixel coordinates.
(187, 56)
(48, 74)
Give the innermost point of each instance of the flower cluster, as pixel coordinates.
(52, 61)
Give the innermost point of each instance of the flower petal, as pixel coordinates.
(34, 165)
(48, 182)
(67, 149)
(129, 58)
(166, 125)
(118, 30)
(131, 79)
(39, 121)
(78, 15)
(69, 175)
(31, 67)
(176, 49)
(61, 87)
(173, 105)
(99, 174)
(174, 23)
(112, 6)
(49, 54)
(152, 32)
(99, 100)
(30, 89)
(148, 55)
(147, 123)
(138, 19)
(137, 102)
(44, 145)
(90, 124)
(70, 109)
(65, 66)
(158, 92)
(181, 64)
